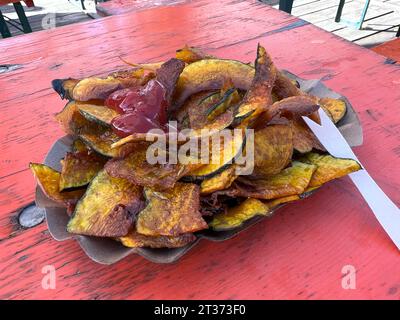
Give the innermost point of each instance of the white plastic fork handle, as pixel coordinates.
(387, 213)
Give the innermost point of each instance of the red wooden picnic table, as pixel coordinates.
(299, 253)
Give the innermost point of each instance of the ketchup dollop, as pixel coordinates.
(141, 109)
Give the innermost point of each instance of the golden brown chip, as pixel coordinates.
(136, 240)
(304, 139)
(276, 202)
(290, 181)
(329, 168)
(99, 114)
(49, 180)
(70, 118)
(273, 148)
(334, 108)
(198, 119)
(108, 207)
(64, 87)
(230, 147)
(237, 215)
(101, 140)
(135, 168)
(78, 169)
(79, 146)
(259, 94)
(211, 74)
(191, 54)
(96, 136)
(100, 88)
(220, 181)
(171, 212)
(227, 99)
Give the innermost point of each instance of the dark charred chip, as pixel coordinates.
(259, 94)
(137, 240)
(273, 148)
(329, 167)
(49, 180)
(78, 169)
(285, 88)
(236, 216)
(172, 212)
(168, 75)
(108, 208)
(290, 108)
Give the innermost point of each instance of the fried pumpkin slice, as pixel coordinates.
(99, 88)
(234, 217)
(99, 114)
(259, 94)
(329, 167)
(285, 88)
(79, 168)
(135, 168)
(211, 74)
(279, 201)
(290, 181)
(171, 212)
(334, 108)
(168, 75)
(64, 87)
(273, 148)
(108, 208)
(201, 126)
(70, 119)
(102, 142)
(221, 181)
(79, 146)
(228, 149)
(227, 99)
(96, 136)
(48, 180)
(136, 240)
(289, 108)
(304, 139)
(191, 54)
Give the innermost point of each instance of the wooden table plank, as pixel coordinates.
(390, 49)
(299, 253)
(115, 7)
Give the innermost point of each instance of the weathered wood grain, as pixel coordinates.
(299, 253)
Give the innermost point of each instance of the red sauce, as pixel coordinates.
(115, 99)
(141, 109)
